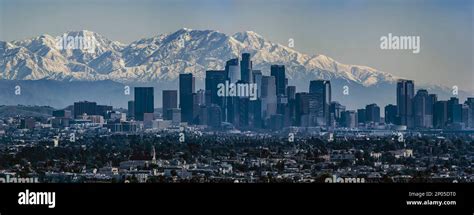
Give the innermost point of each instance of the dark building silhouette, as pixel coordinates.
(349, 119)
(186, 90)
(302, 108)
(319, 112)
(213, 79)
(278, 71)
(361, 116)
(454, 110)
(170, 101)
(423, 109)
(470, 117)
(144, 102)
(390, 114)
(104, 110)
(440, 114)
(405, 94)
(131, 108)
(372, 112)
(84, 107)
(62, 113)
(246, 68)
(336, 110)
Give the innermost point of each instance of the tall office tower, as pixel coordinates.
(454, 110)
(213, 78)
(440, 114)
(322, 89)
(170, 101)
(131, 108)
(196, 108)
(255, 115)
(336, 110)
(361, 116)
(390, 114)
(372, 113)
(269, 98)
(349, 119)
(186, 90)
(283, 109)
(144, 102)
(257, 79)
(84, 107)
(405, 94)
(282, 103)
(465, 115)
(232, 70)
(246, 68)
(470, 120)
(278, 71)
(316, 115)
(302, 109)
(423, 109)
(291, 92)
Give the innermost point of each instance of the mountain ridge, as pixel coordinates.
(165, 56)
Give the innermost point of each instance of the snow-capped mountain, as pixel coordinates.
(164, 57)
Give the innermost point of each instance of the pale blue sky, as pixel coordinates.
(346, 30)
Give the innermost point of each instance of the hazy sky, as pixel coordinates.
(346, 30)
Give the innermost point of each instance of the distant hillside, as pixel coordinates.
(26, 111)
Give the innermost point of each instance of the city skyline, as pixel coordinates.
(278, 105)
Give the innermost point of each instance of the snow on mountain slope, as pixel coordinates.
(164, 57)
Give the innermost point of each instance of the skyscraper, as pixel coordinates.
(131, 108)
(302, 108)
(278, 71)
(322, 91)
(423, 109)
(361, 115)
(454, 110)
(170, 101)
(213, 79)
(470, 120)
(440, 114)
(144, 102)
(390, 114)
(246, 68)
(186, 90)
(232, 70)
(336, 110)
(291, 94)
(269, 98)
(372, 113)
(349, 119)
(405, 94)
